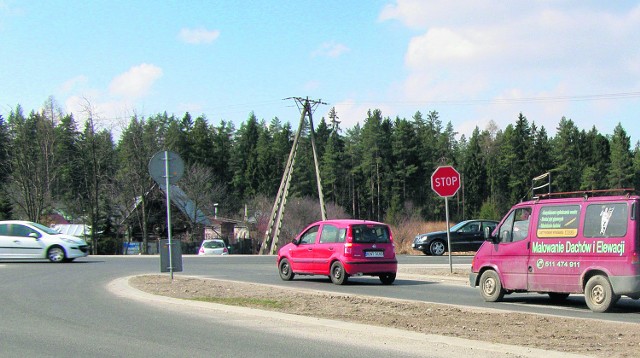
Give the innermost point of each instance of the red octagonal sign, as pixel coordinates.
(445, 181)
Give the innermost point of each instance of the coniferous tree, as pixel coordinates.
(333, 172)
(636, 166)
(5, 145)
(621, 170)
(371, 163)
(404, 166)
(69, 180)
(566, 174)
(268, 180)
(245, 158)
(201, 138)
(135, 149)
(475, 176)
(597, 154)
(353, 152)
(223, 136)
(175, 139)
(538, 157)
(431, 148)
(97, 163)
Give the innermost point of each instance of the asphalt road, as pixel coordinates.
(52, 310)
(65, 309)
(262, 269)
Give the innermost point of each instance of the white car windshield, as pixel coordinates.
(48, 230)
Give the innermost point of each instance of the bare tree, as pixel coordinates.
(203, 191)
(97, 165)
(32, 163)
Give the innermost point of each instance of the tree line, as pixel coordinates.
(379, 170)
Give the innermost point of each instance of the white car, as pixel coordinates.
(213, 247)
(29, 240)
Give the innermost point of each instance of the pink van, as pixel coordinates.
(563, 245)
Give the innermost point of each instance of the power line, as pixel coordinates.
(542, 99)
(234, 108)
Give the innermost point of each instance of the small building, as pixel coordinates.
(183, 214)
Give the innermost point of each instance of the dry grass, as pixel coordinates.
(404, 234)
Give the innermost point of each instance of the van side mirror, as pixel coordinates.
(487, 235)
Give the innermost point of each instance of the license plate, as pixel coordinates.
(374, 254)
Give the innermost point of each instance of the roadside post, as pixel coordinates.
(167, 168)
(445, 181)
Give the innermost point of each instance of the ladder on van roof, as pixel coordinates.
(538, 179)
(587, 193)
(545, 178)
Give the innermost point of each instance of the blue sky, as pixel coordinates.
(472, 61)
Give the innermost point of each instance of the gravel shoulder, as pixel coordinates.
(589, 337)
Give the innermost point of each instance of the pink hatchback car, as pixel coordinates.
(339, 249)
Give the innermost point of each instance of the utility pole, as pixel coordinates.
(306, 107)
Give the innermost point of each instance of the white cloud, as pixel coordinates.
(73, 83)
(330, 49)
(113, 107)
(439, 45)
(198, 36)
(469, 56)
(136, 82)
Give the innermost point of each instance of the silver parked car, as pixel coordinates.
(29, 240)
(213, 247)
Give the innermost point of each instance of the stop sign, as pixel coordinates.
(445, 181)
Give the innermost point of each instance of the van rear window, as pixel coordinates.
(370, 234)
(606, 220)
(558, 221)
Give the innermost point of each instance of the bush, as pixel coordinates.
(490, 211)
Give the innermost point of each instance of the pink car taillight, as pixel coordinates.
(348, 244)
(347, 249)
(225, 251)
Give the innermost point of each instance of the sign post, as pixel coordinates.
(166, 168)
(445, 181)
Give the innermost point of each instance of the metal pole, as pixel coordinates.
(166, 181)
(446, 210)
(323, 210)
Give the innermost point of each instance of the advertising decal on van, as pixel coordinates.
(559, 221)
(562, 222)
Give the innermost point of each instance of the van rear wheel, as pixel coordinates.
(491, 287)
(598, 294)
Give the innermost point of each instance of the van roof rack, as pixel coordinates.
(586, 193)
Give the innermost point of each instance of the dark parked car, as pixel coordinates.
(465, 236)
